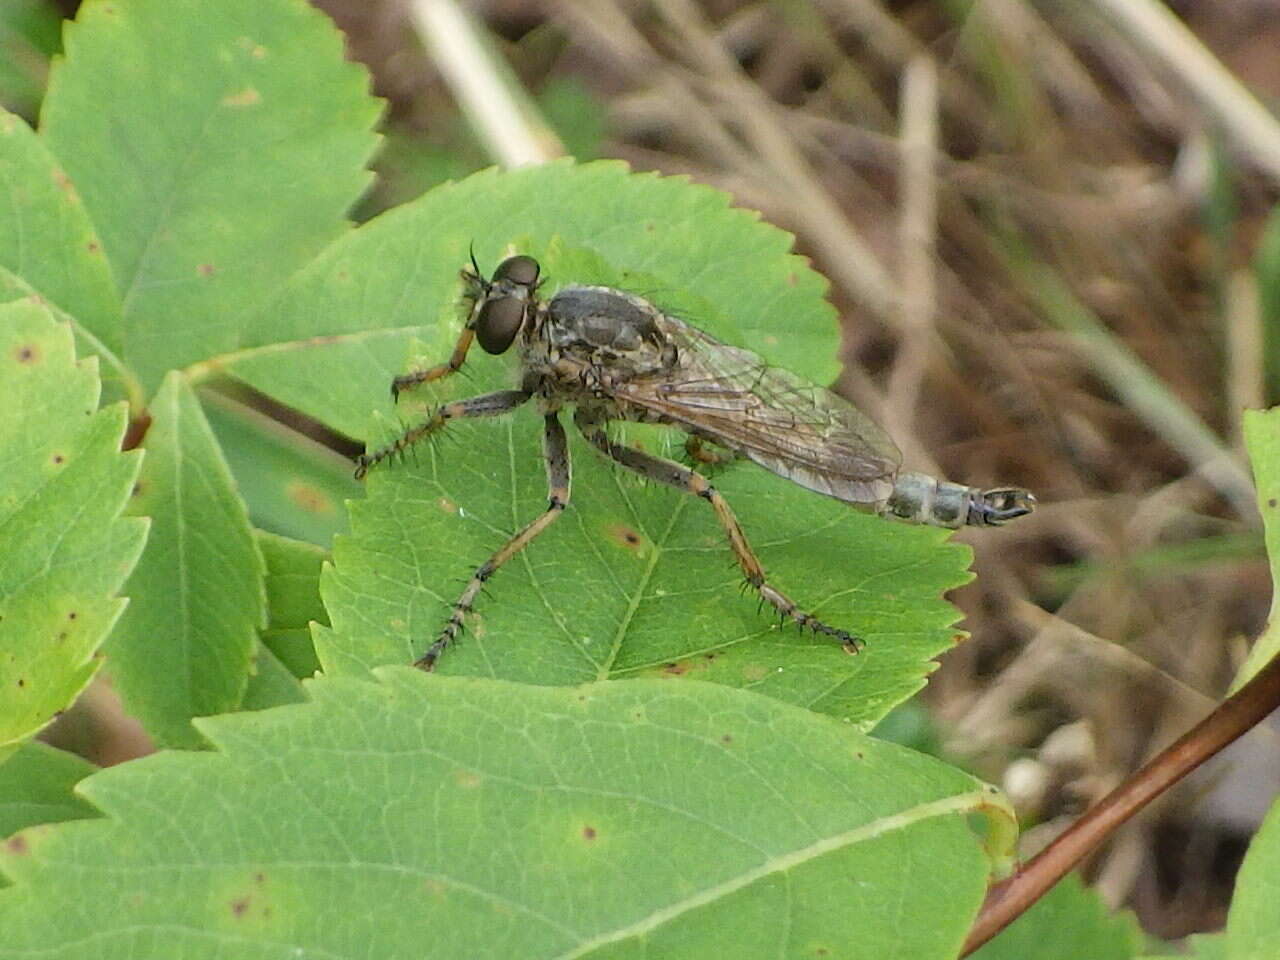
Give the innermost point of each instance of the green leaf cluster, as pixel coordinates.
(627, 758)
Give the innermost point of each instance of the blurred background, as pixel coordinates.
(1050, 237)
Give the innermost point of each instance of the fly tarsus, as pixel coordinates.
(787, 610)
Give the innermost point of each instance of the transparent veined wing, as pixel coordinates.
(792, 427)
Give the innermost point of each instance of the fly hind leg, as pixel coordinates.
(556, 451)
(682, 478)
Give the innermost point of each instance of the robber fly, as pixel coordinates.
(615, 356)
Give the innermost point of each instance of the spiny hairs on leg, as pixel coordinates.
(806, 621)
(397, 447)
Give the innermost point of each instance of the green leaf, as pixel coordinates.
(184, 646)
(293, 485)
(48, 244)
(330, 342)
(29, 36)
(271, 684)
(1253, 923)
(1069, 923)
(35, 787)
(217, 148)
(293, 600)
(1266, 267)
(1262, 440)
(1205, 946)
(426, 817)
(64, 549)
(578, 117)
(635, 579)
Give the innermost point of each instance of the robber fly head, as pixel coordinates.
(505, 303)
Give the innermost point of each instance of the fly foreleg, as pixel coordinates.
(440, 370)
(682, 478)
(556, 451)
(485, 405)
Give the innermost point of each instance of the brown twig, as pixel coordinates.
(1239, 713)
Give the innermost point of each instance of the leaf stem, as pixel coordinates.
(1234, 717)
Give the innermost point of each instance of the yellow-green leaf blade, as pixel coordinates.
(464, 818)
(64, 548)
(183, 648)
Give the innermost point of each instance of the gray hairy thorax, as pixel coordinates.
(585, 340)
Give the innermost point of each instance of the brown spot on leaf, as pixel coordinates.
(72, 615)
(754, 672)
(676, 669)
(247, 97)
(309, 498)
(1271, 502)
(93, 246)
(27, 353)
(137, 489)
(447, 505)
(17, 845)
(466, 778)
(59, 459)
(22, 682)
(205, 269)
(240, 906)
(626, 537)
(727, 739)
(588, 833)
(792, 279)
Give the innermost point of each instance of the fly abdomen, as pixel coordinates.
(918, 498)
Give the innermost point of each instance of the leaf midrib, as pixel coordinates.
(960, 803)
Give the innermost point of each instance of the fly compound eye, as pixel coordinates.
(500, 320)
(520, 270)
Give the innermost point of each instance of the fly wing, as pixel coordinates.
(792, 427)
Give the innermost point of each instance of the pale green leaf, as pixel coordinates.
(217, 148)
(1253, 924)
(1262, 439)
(293, 485)
(29, 36)
(271, 684)
(64, 549)
(1070, 922)
(183, 647)
(35, 787)
(330, 342)
(48, 244)
(635, 579)
(1205, 946)
(293, 600)
(428, 817)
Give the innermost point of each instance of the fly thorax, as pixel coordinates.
(607, 328)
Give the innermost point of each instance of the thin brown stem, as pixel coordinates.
(1239, 713)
